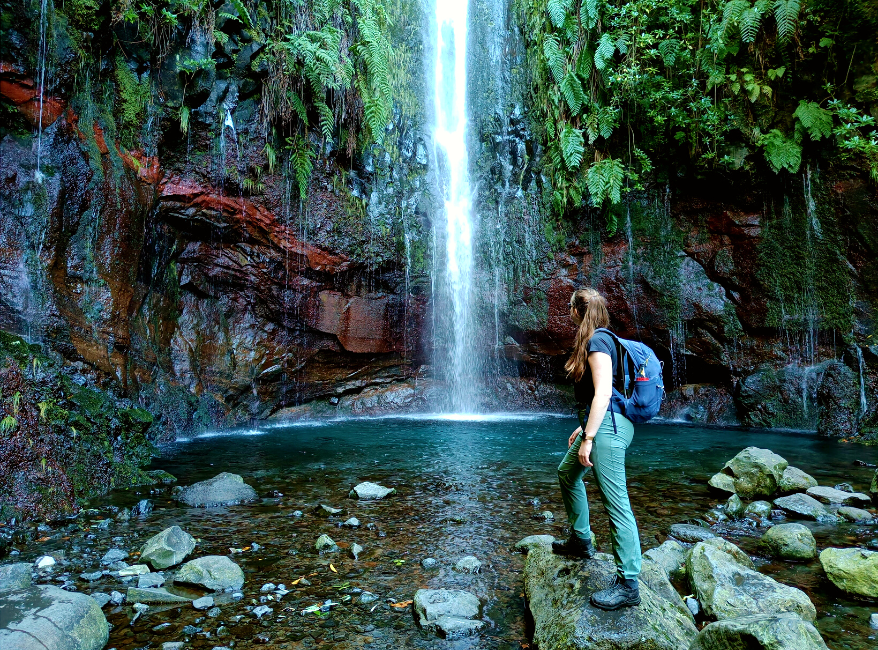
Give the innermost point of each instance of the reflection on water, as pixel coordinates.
(465, 487)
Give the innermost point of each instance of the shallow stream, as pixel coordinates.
(465, 487)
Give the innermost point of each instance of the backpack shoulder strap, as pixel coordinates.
(618, 380)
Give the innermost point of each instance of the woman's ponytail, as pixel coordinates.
(590, 309)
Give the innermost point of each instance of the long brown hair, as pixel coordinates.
(590, 308)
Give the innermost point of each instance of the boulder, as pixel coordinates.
(558, 591)
(531, 541)
(795, 480)
(855, 514)
(854, 570)
(804, 506)
(671, 556)
(370, 491)
(722, 482)
(837, 497)
(154, 595)
(15, 576)
(468, 564)
(757, 472)
(224, 489)
(760, 632)
(735, 507)
(150, 580)
(214, 572)
(790, 542)
(690, 533)
(726, 546)
(727, 589)
(41, 617)
(758, 510)
(168, 548)
(448, 612)
(114, 555)
(654, 576)
(324, 544)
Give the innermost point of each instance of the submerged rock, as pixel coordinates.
(690, 533)
(804, 506)
(356, 550)
(854, 570)
(760, 632)
(468, 564)
(224, 489)
(448, 612)
(370, 491)
(114, 555)
(833, 496)
(214, 572)
(142, 509)
(790, 542)
(167, 548)
(44, 616)
(154, 595)
(795, 480)
(558, 592)
(757, 472)
(727, 589)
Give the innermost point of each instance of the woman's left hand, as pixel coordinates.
(585, 453)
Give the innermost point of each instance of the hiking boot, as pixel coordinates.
(573, 546)
(622, 593)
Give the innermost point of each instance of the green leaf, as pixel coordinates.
(816, 120)
(243, 14)
(604, 181)
(588, 14)
(786, 13)
(605, 51)
(557, 11)
(749, 23)
(571, 88)
(572, 147)
(780, 151)
(669, 49)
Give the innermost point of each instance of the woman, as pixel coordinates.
(600, 442)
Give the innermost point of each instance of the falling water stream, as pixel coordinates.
(450, 152)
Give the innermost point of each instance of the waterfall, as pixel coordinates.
(41, 82)
(455, 334)
(864, 406)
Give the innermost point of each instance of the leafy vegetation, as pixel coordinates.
(619, 85)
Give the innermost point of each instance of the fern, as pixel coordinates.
(588, 14)
(554, 57)
(781, 152)
(327, 119)
(8, 424)
(816, 120)
(572, 147)
(669, 49)
(571, 88)
(732, 13)
(584, 62)
(749, 23)
(301, 158)
(243, 14)
(603, 54)
(786, 13)
(604, 181)
(558, 11)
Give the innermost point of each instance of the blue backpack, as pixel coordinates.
(638, 388)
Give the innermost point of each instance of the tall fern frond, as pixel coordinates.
(749, 23)
(242, 13)
(571, 88)
(558, 11)
(327, 119)
(301, 158)
(572, 147)
(669, 49)
(588, 14)
(298, 106)
(584, 62)
(604, 181)
(818, 121)
(786, 13)
(606, 49)
(780, 151)
(554, 57)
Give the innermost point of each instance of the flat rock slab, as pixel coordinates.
(41, 617)
(854, 570)
(154, 595)
(214, 572)
(370, 491)
(690, 533)
(781, 632)
(167, 548)
(558, 592)
(15, 576)
(147, 580)
(804, 506)
(224, 489)
(855, 514)
(727, 589)
(836, 497)
(448, 612)
(726, 546)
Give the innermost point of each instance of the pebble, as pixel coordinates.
(468, 564)
(356, 549)
(102, 598)
(161, 626)
(547, 515)
(353, 522)
(429, 562)
(213, 612)
(140, 608)
(45, 562)
(305, 582)
(147, 580)
(261, 611)
(237, 595)
(172, 645)
(368, 597)
(116, 598)
(268, 586)
(297, 513)
(191, 629)
(205, 602)
(873, 621)
(135, 570)
(114, 555)
(91, 577)
(693, 606)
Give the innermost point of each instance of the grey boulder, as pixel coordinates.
(735, 507)
(670, 556)
(224, 489)
(41, 617)
(370, 491)
(760, 632)
(558, 592)
(790, 542)
(837, 497)
(757, 472)
(154, 595)
(722, 482)
(530, 541)
(855, 514)
(726, 546)
(690, 533)
(214, 572)
(727, 589)
(804, 506)
(15, 576)
(447, 612)
(854, 570)
(167, 548)
(758, 510)
(795, 480)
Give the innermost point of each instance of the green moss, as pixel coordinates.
(133, 95)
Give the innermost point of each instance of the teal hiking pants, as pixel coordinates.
(608, 458)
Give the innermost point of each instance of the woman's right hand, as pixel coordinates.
(573, 436)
